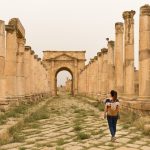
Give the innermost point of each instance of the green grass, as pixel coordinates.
(60, 142)
(77, 127)
(101, 107)
(82, 136)
(14, 112)
(34, 125)
(22, 148)
(95, 132)
(59, 148)
(42, 113)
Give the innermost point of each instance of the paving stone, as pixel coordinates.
(58, 131)
(133, 145)
(145, 148)
(125, 148)
(94, 148)
(140, 142)
(105, 147)
(11, 145)
(123, 140)
(74, 148)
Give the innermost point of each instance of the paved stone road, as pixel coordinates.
(76, 125)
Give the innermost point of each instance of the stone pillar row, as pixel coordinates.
(22, 74)
(113, 67)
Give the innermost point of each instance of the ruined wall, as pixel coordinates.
(23, 77)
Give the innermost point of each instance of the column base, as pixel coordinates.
(128, 97)
(136, 105)
(144, 98)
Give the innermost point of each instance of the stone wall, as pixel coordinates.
(113, 67)
(23, 77)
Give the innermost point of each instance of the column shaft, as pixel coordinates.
(119, 58)
(104, 81)
(129, 88)
(20, 68)
(11, 65)
(2, 60)
(144, 54)
(111, 70)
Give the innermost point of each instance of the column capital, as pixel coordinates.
(145, 10)
(119, 27)
(99, 53)
(10, 28)
(104, 50)
(95, 57)
(32, 52)
(128, 14)
(21, 41)
(27, 48)
(111, 43)
(38, 59)
(36, 56)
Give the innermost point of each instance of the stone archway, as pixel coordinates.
(72, 61)
(64, 69)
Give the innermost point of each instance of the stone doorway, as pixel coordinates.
(63, 89)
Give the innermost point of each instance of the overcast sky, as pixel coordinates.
(70, 24)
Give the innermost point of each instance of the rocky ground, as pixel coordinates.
(70, 123)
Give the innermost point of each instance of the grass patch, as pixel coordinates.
(59, 148)
(95, 132)
(60, 142)
(77, 127)
(14, 112)
(42, 113)
(126, 126)
(133, 119)
(34, 125)
(22, 148)
(82, 136)
(100, 106)
(17, 137)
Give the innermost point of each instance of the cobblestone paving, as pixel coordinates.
(76, 125)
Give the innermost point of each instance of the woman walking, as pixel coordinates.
(111, 112)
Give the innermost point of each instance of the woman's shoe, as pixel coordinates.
(113, 139)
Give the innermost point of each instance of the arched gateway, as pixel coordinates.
(56, 61)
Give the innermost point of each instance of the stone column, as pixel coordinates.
(27, 71)
(11, 65)
(39, 76)
(31, 76)
(129, 89)
(144, 54)
(2, 61)
(35, 76)
(111, 69)
(87, 79)
(53, 80)
(20, 68)
(75, 80)
(104, 81)
(90, 77)
(99, 54)
(95, 72)
(119, 58)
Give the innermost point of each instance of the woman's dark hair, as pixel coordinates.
(113, 94)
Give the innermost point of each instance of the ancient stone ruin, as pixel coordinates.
(25, 77)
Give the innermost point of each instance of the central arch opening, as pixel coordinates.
(64, 81)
